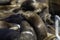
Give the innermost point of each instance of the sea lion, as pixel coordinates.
(9, 34)
(3, 25)
(5, 14)
(31, 5)
(42, 10)
(15, 18)
(8, 5)
(6, 25)
(28, 32)
(38, 7)
(4, 2)
(37, 23)
(26, 6)
(8, 2)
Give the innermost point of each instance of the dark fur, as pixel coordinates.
(15, 19)
(6, 2)
(7, 34)
(25, 6)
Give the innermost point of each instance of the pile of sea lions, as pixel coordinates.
(25, 20)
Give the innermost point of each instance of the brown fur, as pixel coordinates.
(3, 24)
(38, 24)
(26, 36)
